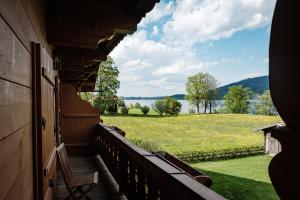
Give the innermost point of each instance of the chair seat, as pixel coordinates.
(88, 179)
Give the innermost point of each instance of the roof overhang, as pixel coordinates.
(85, 32)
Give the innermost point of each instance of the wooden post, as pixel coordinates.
(284, 169)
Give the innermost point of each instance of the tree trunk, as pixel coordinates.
(197, 108)
(205, 107)
(210, 108)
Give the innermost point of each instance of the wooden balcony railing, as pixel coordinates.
(144, 175)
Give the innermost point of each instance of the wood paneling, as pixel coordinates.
(16, 165)
(14, 14)
(27, 19)
(15, 60)
(15, 107)
(79, 118)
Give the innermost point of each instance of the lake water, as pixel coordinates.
(186, 106)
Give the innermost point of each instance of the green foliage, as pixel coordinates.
(222, 154)
(123, 110)
(145, 110)
(137, 105)
(148, 145)
(107, 84)
(88, 96)
(121, 102)
(236, 100)
(201, 88)
(159, 106)
(173, 107)
(265, 105)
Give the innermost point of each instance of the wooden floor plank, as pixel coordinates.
(106, 189)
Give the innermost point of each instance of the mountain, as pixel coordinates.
(176, 96)
(258, 85)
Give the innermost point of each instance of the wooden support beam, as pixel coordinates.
(284, 87)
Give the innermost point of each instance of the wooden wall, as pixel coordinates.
(79, 122)
(21, 22)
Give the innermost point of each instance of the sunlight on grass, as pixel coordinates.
(190, 133)
(243, 178)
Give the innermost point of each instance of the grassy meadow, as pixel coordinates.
(243, 178)
(194, 133)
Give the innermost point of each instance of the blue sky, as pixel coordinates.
(227, 38)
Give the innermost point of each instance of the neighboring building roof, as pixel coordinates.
(269, 127)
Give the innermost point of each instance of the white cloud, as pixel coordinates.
(154, 66)
(209, 20)
(150, 68)
(160, 10)
(155, 31)
(266, 60)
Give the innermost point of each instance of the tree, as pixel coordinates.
(159, 106)
(265, 105)
(88, 96)
(145, 109)
(211, 92)
(107, 85)
(201, 88)
(173, 107)
(236, 100)
(137, 105)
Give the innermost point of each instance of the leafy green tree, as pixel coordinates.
(173, 106)
(145, 109)
(201, 88)
(107, 85)
(211, 92)
(265, 105)
(121, 102)
(123, 110)
(159, 106)
(88, 96)
(137, 105)
(236, 100)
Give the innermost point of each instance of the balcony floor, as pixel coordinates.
(106, 188)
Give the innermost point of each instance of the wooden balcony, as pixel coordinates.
(106, 189)
(144, 175)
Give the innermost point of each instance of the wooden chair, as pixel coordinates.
(78, 186)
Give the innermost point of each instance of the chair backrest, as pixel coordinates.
(65, 165)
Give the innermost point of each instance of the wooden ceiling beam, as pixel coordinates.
(75, 59)
(82, 24)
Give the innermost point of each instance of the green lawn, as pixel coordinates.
(243, 178)
(190, 133)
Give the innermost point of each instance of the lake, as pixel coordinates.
(186, 106)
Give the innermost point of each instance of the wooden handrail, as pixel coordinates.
(144, 175)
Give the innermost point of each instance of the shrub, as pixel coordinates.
(148, 145)
(121, 103)
(192, 110)
(173, 106)
(130, 106)
(145, 109)
(137, 105)
(159, 106)
(113, 109)
(123, 110)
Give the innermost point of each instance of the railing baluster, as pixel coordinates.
(143, 175)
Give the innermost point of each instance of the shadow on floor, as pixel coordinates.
(233, 187)
(106, 189)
